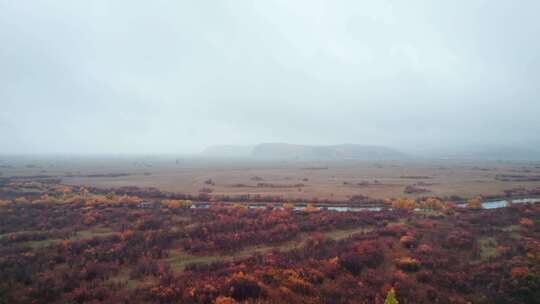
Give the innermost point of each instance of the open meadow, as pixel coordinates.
(288, 179)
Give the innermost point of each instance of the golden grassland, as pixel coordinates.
(336, 180)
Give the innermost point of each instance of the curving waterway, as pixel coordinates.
(485, 205)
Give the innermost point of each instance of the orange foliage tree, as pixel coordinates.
(474, 203)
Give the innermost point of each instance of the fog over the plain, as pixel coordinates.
(124, 76)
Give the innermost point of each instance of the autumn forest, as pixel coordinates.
(71, 244)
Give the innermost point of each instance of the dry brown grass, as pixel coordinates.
(338, 181)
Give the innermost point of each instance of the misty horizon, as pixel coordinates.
(131, 77)
(304, 152)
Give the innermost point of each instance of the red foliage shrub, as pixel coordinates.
(424, 249)
(408, 264)
(242, 287)
(459, 239)
(408, 241)
(424, 276)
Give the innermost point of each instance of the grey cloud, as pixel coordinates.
(173, 77)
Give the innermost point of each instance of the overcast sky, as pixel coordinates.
(131, 76)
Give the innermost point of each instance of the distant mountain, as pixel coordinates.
(367, 152)
(227, 151)
(345, 151)
(308, 152)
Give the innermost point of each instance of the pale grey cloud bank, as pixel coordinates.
(175, 76)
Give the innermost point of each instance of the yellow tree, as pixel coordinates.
(66, 190)
(527, 222)
(474, 203)
(288, 206)
(404, 203)
(21, 200)
(225, 300)
(186, 204)
(176, 204)
(432, 203)
(237, 206)
(112, 196)
(171, 204)
(310, 208)
(131, 200)
(391, 297)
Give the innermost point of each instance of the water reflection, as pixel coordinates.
(485, 205)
